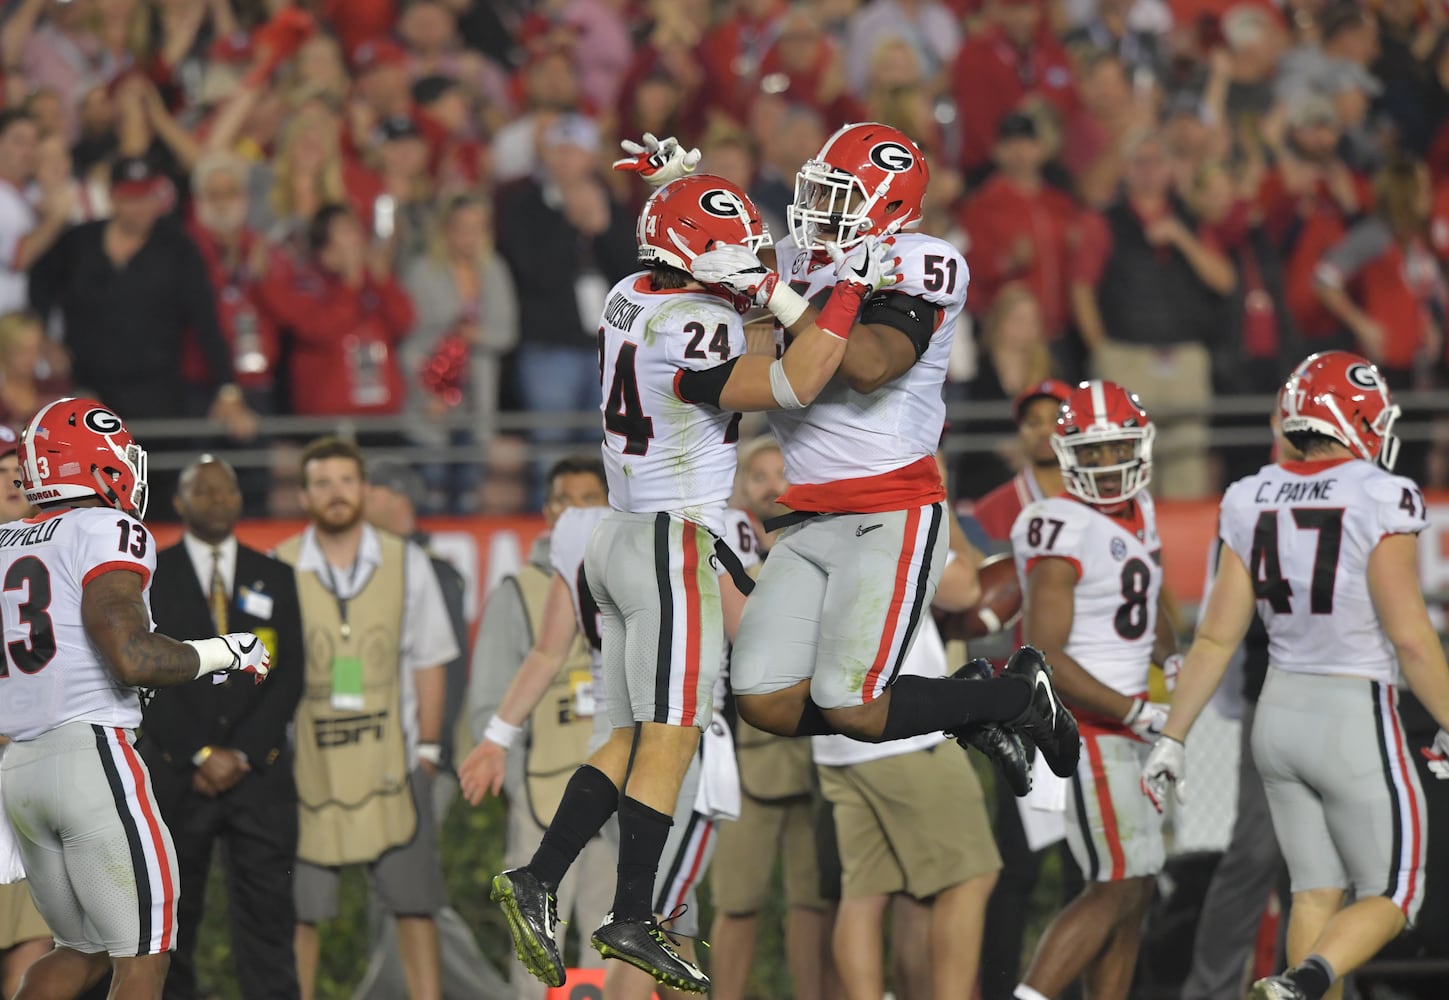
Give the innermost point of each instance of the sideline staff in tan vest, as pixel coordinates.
(370, 723)
(558, 731)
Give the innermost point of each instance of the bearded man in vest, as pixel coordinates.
(558, 730)
(369, 727)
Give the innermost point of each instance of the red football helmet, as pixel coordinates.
(76, 448)
(1095, 413)
(686, 217)
(1342, 396)
(867, 180)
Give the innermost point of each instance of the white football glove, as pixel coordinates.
(1441, 744)
(870, 264)
(657, 161)
(1171, 667)
(737, 270)
(235, 652)
(1165, 769)
(1146, 719)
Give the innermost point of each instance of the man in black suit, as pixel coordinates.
(218, 753)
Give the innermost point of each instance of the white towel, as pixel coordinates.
(1044, 809)
(718, 797)
(11, 868)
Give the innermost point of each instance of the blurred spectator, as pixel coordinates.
(786, 135)
(654, 103)
(728, 153)
(347, 315)
(1013, 358)
(1134, 40)
(734, 50)
(1382, 281)
(1255, 43)
(319, 68)
(603, 49)
(1019, 229)
(1148, 304)
(1111, 109)
(430, 29)
(1408, 34)
(381, 88)
(807, 67)
(463, 291)
(27, 382)
(566, 242)
(357, 22)
(897, 94)
(550, 89)
(172, 39)
(1348, 38)
(89, 194)
(927, 27)
(1439, 107)
(460, 157)
(25, 234)
(237, 260)
(1308, 200)
(402, 211)
(1014, 58)
(55, 46)
(128, 290)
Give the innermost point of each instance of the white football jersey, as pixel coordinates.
(845, 434)
(1119, 578)
(1305, 531)
(50, 674)
(661, 453)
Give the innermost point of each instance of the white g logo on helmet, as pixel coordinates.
(102, 421)
(892, 156)
(722, 204)
(1364, 377)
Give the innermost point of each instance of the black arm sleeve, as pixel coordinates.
(910, 314)
(703, 386)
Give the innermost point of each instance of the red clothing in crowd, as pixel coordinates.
(358, 21)
(991, 77)
(344, 341)
(249, 329)
(996, 512)
(996, 218)
(732, 53)
(1304, 228)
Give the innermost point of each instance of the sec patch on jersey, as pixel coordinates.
(999, 606)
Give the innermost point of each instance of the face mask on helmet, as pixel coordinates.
(831, 206)
(107, 478)
(1106, 469)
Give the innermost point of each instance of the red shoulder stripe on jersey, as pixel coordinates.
(1076, 563)
(1104, 804)
(643, 285)
(46, 515)
(917, 484)
(1309, 467)
(107, 567)
(691, 622)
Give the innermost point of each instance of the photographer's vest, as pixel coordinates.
(351, 764)
(558, 740)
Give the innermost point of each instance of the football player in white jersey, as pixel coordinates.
(569, 610)
(673, 374)
(854, 568)
(1327, 548)
(1089, 562)
(76, 612)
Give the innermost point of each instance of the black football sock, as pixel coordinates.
(589, 799)
(935, 704)
(642, 833)
(1314, 976)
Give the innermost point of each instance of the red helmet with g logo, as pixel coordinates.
(1096, 413)
(76, 448)
(867, 180)
(686, 217)
(1344, 397)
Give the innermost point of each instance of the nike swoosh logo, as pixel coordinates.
(247, 648)
(866, 529)
(862, 269)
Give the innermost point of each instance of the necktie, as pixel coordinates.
(218, 592)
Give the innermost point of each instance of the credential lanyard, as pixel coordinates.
(342, 602)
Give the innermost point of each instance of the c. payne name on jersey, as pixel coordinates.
(846, 435)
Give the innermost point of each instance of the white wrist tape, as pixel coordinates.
(430, 752)
(215, 655)
(780, 386)
(787, 304)
(501, 733)
(1133, 712)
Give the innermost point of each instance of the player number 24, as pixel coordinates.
(624, 411)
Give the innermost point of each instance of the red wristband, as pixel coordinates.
(841, 309)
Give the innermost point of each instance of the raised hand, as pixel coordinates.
(657, 161)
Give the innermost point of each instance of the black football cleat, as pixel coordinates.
(645, 945)
(1046, 722)
(1001, 746)
(532, 913)
(1276, 988)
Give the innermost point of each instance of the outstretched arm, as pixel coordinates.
(114, 615)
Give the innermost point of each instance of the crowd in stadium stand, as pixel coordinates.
(405, 208)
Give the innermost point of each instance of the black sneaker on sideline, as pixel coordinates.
(1046, 721)
(1001, 746)
(532, 913)
(645, 945)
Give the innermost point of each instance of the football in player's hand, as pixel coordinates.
(999, 606)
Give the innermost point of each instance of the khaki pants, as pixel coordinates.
(1176, 376)
(20, 921)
